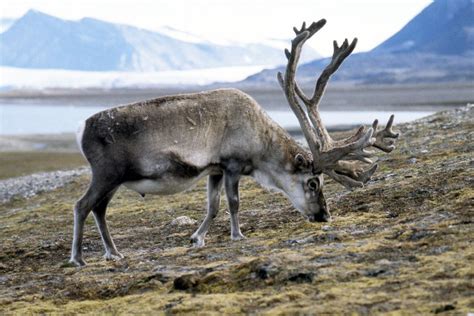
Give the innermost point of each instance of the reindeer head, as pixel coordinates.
(307, 194)
(336, 158)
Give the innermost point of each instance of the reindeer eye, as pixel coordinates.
(313, 184)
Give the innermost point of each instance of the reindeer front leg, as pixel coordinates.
(231, 182)
(214, 186)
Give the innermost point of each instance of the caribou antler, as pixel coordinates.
(331, 156)
(385, 139)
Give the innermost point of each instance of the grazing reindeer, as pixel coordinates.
(166, 145)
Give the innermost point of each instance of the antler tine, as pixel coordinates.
(353, 151)
(312, 104)
(329, 156)
(351, 175)
(385, 139)
(288, 83)
(338, 56)
(346, 181)
(303, 28)
(312, 29)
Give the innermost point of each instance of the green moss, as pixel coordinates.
(15, 164)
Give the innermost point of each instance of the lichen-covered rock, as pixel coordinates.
(183, 221)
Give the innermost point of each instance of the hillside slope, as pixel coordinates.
(403, 244)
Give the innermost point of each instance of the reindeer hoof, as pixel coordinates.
(78, 262)
(237, 236)
(114, 256)
(197, 242)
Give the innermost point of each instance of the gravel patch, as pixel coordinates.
(30, 185)
(183, 221)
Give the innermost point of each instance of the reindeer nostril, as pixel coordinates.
(319, 217)
(326, 218)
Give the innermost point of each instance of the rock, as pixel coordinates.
(419, 234)
(444, 308)
(383, 262)
(262, 273)
(156, 276)
(392, 214)
(302, 240)
(375, 272)
(412, 160)
(362, 208)
(183, 221)
(328, 237)
(302, 277)
(265, 271)
(185, 282)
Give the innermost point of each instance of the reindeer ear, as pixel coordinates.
(300, 161)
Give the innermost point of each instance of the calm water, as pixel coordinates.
(53, 119)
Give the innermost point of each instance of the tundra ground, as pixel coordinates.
(401, 245)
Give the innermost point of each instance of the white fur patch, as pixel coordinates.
(283, 182)
(79, 134)
(164, 186)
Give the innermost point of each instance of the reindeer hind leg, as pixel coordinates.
(99, 188)
(214, 187)
(111, 252)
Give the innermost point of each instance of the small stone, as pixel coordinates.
(418, 235)
(383, 262)
(302, 277)
(266, 271)
(412, 160)
(183, 221)
(185, 282)
(444, 308)
(362, 208)
(262, 273)
(375, 272)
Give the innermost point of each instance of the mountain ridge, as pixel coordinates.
(429, 48)
(38, 40)
(444, 27)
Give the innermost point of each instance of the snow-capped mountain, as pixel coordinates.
(444, 27)
(436, 45)
(182, 35)
(39, 40)
(5, 23)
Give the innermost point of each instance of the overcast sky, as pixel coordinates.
(371, 21)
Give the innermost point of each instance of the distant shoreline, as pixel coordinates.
(30, 112)
(422, 96)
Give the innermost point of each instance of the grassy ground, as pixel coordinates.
(15, 164)
(401, 245)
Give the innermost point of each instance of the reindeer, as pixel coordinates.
(165, 145)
